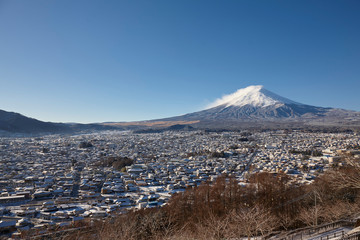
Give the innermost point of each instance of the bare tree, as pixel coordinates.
(213, 227)
(348, 177)
(254, 221)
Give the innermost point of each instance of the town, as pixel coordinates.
(56, 180)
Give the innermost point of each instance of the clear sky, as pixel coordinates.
(96, 61)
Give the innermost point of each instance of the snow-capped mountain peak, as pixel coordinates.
(256, 96)
(256, 105)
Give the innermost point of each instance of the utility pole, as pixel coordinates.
(316, 210)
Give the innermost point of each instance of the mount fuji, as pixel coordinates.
(255, 104)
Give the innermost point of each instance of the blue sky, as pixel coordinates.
(94, 61)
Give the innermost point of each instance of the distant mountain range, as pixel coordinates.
(16, 123)
(253, 106)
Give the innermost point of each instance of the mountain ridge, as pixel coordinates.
(16, 122)
(12, 122)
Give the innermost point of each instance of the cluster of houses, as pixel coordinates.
(58, 180)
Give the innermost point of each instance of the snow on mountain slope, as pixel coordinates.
(256, 96)
(255, 103)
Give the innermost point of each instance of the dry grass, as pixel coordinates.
(151, 123)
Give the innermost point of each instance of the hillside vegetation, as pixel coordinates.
(267, 203)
